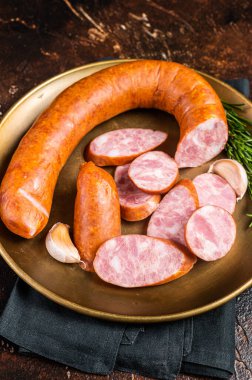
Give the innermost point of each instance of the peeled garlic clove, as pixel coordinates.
(234, 173)
(60, 245)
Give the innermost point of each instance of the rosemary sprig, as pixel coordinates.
(250, 215)
(239, 145)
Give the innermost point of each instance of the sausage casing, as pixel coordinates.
(96, 212)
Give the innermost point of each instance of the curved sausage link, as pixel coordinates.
(27, 188)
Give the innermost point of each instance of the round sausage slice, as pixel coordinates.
(154, 172)
(121, 146)
(133, 261)
(215, 190)
(210, 232)
(135, 204)
(173, 212)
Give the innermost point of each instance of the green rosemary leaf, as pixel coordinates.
(250, 215)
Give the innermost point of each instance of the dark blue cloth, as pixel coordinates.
(241, 85)
(202, 345)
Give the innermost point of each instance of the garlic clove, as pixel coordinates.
(234, 173)
(60, 246)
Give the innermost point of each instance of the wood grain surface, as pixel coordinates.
(40, 39)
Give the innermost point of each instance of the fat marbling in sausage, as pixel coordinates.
(135, 204)
(133, 261)
(173, 212)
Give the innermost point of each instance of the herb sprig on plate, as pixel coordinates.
(239, 145)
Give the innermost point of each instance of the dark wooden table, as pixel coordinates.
(40, 39)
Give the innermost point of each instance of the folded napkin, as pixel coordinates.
(202, 345)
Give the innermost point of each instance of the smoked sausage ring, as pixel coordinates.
(27, 188)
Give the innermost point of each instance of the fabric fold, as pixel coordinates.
(39, 325)
(213, 345)
(157, 352)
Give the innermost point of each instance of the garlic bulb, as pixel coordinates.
(234, 173)
(60, 246)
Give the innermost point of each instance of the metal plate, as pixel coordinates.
(207, 286)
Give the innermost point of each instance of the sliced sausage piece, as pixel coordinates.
(215, 190)
(173, 212)
(96, 212)
(132, 261)
(135, 204)
(123, 145)
(199, 145)
(154, 172)
(210, 232)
